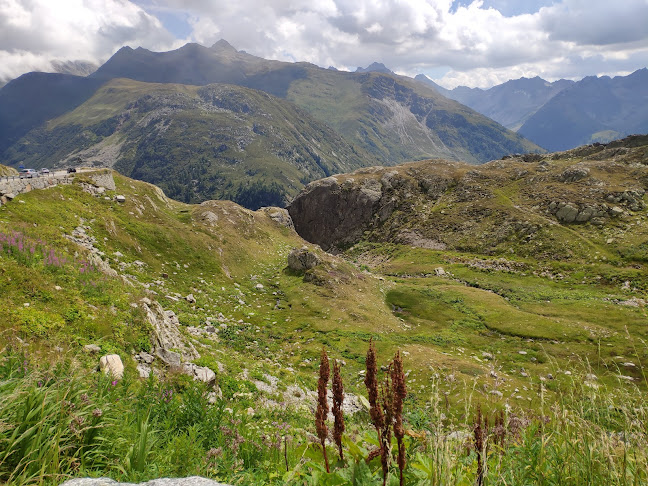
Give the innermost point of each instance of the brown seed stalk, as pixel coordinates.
(338, 398)
(322, 405)
(400, 392)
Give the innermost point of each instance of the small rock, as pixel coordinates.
(259, 286)
(190, 298)
(568, 373)
(91, 348)
(522, 352)
(120, 199)
(628, 365)
(144, 370)
(111, 364)
(486, 355)
(497, 393)
(439, 271)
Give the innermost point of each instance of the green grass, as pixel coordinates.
(461, 332)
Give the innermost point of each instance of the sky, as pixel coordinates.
(477, 43)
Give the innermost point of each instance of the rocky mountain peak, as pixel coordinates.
(223, 45)
(375, 67)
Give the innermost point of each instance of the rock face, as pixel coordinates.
(336, 211)
(190, 481)
(301, 259)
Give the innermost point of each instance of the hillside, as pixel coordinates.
(34, 98)
(592, 110)
(519, 286)
(197, 143)
(392, 118)
(524, 205)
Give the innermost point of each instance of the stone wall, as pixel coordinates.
(10, 187)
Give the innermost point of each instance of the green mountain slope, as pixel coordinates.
(392, 117)
(197, 143)
(34, 98)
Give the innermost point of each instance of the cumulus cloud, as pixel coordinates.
(474, 42)
(35, 32)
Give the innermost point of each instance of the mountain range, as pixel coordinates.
(563, 114)
(363, 119)
(258, 130)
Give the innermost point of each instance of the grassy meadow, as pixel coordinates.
(551, 352)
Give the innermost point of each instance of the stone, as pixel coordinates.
(145, 357)
(439, 271)
(91, 348)
(111, 364)
(120, 199)
(573, 174)
(300, 259)
(143, 370)
(279, 216)
(567, 214)
(169, 358)
(204, 374)
(190, 298)
(615, 211)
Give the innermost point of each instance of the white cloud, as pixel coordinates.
(475, 44)
(35, 32)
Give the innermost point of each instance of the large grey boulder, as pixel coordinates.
(301, 259)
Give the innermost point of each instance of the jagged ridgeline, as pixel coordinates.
(197, 143)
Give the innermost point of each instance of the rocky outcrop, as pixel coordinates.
(167, 336)
(335, 212)
(279, 216)
(444, 205)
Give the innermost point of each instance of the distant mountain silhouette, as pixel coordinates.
(592, 110)
(510, 103)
